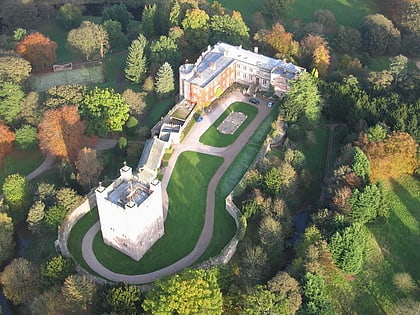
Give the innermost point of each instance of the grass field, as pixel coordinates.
(182, 227)
(224, 225)
(217, 139)
(20, 161)
(347, 12)
(394, 248)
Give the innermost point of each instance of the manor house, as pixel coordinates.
(221, 65)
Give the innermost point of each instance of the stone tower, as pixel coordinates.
(130, 213)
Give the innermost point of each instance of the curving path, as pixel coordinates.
(190, 143)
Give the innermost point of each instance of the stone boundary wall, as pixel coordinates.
(71, 219)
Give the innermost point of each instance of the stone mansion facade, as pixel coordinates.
(222, 65)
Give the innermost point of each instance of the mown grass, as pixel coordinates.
(20, 161)
(59, 35)
(187, 202)
(224, 226)
(393, 248)
(347, 12)
(217, 139)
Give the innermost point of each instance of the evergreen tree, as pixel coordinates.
(136, 68)
(165, 80)
(148, 20)
(361, 165)
(315, 297)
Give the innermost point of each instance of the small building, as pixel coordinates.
(223, 64)
(130, 213)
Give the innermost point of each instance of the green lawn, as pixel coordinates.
(20, 161)
(187, 200)
(217, 139)
(59, 35)
(224, 225)
(394, 248)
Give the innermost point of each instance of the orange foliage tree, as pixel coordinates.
(38, 49)
(395, 155)
(62, 133)
(6, 139)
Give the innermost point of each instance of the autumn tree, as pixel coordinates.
(104, 110)
(278, 42)
(88, 167)
(7, 243)
(20, 281)
(314, 53)
(14, 69)
(136, 101)
(164, 80)
(288, 288)
(61, 132)
(11, 95)
(89, 39)
(321, 60)
(392, 157)
(196, 28)
(201, 287)
(16, 195)
(136, 64)
(78, 290)
(6, 140)
(69, 94)
(35, 218)
(38, 49)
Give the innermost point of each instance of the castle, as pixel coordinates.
(130, 213)
(130, 209)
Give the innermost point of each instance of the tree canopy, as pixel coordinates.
(11, 96)
(14, 69)
(7, 243)
(38, 49)
(136, 65)
(104, 111)
(6, 140)
(165, 80)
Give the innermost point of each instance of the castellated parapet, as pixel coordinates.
(130, 213)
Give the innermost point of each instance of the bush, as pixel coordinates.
(26, 137)
(131, 122)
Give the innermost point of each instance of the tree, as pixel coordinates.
(231, 29)
(6, 140)
(136, 65)
(324, 17)
(20, 281)
(278, 42)
(69, 16)
(398, 68)
(262, 301)
(14, 69)
(348, 39)
(54, 217)
(26, 137)
(117, 12)
(89, 39)
(117, 39)
(38, 49)
(61, 132)
(68, 198)
(123, 299)
(315, 297)
(135, 101)
(404, 283)
(286, 286)
(361, 166)
(196, 28)
(165, 49)
(56, 270)
(49, 302)
(16, 190)
(164, 80)
(348, 248)
(379, 35)
(104, 110)
(11, 95)
(270, 233)
(148, 18)
(7, 243)
(254, 264)
(392, 157)
(78, 291)
(70, 94)
(321, 60)
(36, 217)
(194, 291)
(88, 167)
(30, 110)
(19, 14)
(302, 99)
(275, 9)
(19, 33)
(364, 204)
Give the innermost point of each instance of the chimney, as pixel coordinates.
(126, 172)
(213, 65)
(256, 49)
